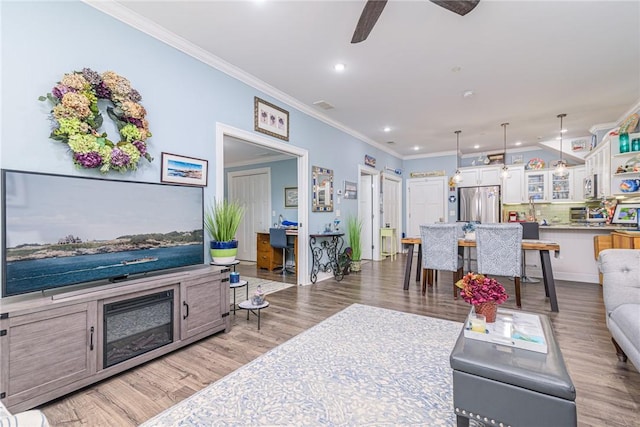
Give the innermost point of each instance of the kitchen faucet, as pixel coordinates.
(532, 210)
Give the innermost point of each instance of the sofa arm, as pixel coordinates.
(621, 281)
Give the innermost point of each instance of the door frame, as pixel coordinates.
(375, 208)
(303, 184)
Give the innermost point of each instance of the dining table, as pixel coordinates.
(544, 247)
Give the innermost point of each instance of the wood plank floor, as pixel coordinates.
(608, 392)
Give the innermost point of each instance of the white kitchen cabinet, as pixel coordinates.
(579, 174)
(598, 162)
(544, 187)
(472, 177)
(537, 186)
(513, 186)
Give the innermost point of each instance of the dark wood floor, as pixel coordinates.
(608, 392)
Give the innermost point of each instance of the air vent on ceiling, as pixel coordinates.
(324, 105)
(391, 142)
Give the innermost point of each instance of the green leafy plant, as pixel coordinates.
(354, 227)
(222, 219)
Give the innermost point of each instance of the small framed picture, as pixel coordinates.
(350, 190)
(291, 197)
(184, 170)
(269, 119)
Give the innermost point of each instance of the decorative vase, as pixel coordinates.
(488, 309)
(624, 142)
(224, 252)
(356, 266)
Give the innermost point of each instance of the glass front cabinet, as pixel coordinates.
(536, 186)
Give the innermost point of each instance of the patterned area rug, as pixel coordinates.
(268, 286)
(362, 366)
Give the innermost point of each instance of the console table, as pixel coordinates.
(325, 249)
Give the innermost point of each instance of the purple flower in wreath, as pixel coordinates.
(141, 146)
(88, 160)
(91, 76)
(136, 122)
(119, 158)
(59, 90)
(102, 91)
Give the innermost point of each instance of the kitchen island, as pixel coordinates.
(576, 261)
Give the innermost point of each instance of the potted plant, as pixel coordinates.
(221, 220)
(354, 228)
(483, 292)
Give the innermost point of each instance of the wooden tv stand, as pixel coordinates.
(53, 345)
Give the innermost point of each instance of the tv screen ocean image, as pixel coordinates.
(36, 274)
(66, 230)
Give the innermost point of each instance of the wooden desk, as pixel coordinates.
(269, 257)
(543, 247)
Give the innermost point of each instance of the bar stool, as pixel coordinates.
(530, 230)
(393, 250)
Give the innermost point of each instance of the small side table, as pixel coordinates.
(255, 309)
(392, 250)
(226, 264)
(235, 286)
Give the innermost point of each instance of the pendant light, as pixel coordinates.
(561, 168)
(457, 177)
(505, 170)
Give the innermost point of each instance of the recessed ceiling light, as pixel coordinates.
(387, 129)
(563, 131)
(416, 148)
(519, 143)
(557, 138)
(476, 146)
(339, 67)
(467, 94)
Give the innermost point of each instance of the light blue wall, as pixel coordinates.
(184, 98)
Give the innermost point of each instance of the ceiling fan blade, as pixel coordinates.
(368, 19)
(461, 7)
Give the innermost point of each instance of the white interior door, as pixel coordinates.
(426, 202)
(252, 188)
(391, 203)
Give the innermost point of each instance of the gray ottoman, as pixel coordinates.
(506, 386)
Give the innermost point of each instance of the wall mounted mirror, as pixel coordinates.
(322, 189)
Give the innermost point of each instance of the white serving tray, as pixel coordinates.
(512, 329)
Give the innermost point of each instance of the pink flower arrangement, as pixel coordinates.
(477, 288)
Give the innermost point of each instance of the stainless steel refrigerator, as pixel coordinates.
(480, 204)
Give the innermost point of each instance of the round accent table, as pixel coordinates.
(235, 286)
(255, 309)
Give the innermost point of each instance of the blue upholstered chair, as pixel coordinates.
(499, 251)
(440, 252)
(278, 239)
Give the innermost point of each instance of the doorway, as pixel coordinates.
(369, 211)
(302, 157)
(392, 203)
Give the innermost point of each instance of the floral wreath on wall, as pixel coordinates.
(76, 120)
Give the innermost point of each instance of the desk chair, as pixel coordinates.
(278, 239)
(499, 251)
(440, 252)
(530, 230)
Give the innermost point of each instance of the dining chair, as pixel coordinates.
(499, 251)
(440, 252)
(278, 239)
(530, 230)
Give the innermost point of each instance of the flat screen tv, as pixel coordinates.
(62, 230)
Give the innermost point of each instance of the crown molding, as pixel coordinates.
(142, 24)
